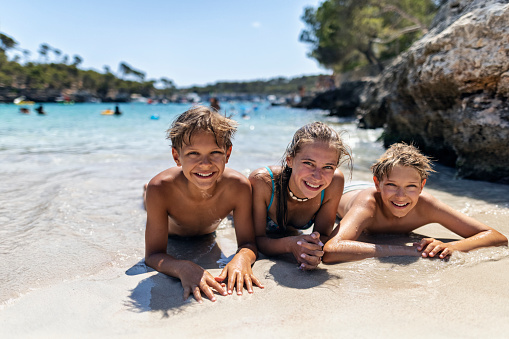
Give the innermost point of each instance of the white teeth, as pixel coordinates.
(204, 175)
(399, 205)
(310, 185)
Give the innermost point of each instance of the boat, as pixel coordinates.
(22, 101)
(107, 112)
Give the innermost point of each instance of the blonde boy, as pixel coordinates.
(397, 204)
(192, 199)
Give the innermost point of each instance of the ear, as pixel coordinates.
(422, 184)
(377, 183)
(289, 161)
(176, 156)
(228, 153)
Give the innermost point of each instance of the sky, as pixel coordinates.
(191, 42)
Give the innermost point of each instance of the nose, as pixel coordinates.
(317, 173)
(205, 160)
(400, 192)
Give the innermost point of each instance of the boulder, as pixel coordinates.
(342, 101)
(448, 94)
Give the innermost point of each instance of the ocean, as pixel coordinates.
(72, 181)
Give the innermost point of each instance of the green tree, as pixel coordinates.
(344, 34)
(6, 42)
(43, 51)
(77, 60)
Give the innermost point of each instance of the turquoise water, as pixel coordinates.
(71, 185)
(72, 180)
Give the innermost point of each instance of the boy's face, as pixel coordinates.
(202, 161)
(400, 189)
(312, 169)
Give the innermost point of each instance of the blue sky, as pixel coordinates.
(188, 41)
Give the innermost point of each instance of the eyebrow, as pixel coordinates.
(327, 163)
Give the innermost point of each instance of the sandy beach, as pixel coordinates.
(464, 297)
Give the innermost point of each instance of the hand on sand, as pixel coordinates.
(196, 280)
(239, 273)
(430, 247)
(308, 250)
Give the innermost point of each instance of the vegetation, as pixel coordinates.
(346, 34)
(343, 34)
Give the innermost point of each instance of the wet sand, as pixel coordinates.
(464, 297)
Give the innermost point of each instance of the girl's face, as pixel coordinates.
(400, 189)
(312, 169)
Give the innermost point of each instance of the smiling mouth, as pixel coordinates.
(311, 185)
(399, 205)
(204, 175)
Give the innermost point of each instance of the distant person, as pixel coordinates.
(214, 103)
(396, 203)
(192, 198)
(303, 192)
(40, 110)
(24, 110)
(117, 110)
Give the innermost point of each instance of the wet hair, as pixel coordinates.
(307, 134)
(404, 155)
(201, 119)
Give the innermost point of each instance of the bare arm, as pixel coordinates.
(194, 278)
(343, 246)
(239, 271)
(476, 233)
(303, 247)
(326, 216)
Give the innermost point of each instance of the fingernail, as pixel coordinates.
(299, 242)
(302, 255)
(320, 243)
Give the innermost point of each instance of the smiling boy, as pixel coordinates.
(191, 200)
(397, 204)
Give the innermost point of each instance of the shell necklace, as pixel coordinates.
(294, 197)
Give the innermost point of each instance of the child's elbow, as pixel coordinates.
(502, 239)
(332, 252)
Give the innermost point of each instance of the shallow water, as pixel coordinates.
(72, 183)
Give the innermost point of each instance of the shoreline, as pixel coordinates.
(386, 297)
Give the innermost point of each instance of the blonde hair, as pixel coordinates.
(404, 155)
(201, 119)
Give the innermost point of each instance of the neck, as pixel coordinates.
(294, 197)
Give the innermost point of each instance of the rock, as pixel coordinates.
(448, 94)
(342, 101)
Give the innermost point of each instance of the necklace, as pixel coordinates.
(294, 197)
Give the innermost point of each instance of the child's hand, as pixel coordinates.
(239, 272)
(308, 251)
(196, 280)
(430, 247)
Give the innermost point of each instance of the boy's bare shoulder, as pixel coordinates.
(165, 179)
(368, 197)
(232, 177)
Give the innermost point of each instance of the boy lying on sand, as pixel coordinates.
(192, 199)
(397, 204)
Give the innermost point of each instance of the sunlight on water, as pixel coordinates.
(72, 182)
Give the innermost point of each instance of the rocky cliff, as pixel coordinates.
(449, 93)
